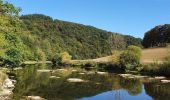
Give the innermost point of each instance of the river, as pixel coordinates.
(53, 84)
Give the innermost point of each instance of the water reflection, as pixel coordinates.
(36, 82)
(119, 95)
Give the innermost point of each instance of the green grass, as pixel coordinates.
(113, 59)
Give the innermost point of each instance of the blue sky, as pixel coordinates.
(132, 17)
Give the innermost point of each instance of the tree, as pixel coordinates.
(8, 8)
(157, 37)
(13, 57)
(130, 58)
(61, 58)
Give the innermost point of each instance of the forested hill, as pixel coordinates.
(157, 37)
(80, 41)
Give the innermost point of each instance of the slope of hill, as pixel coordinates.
(158, 36)
(80, 41)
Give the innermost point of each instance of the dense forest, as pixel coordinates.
(39, 37)
(80, 41)
(157, 37)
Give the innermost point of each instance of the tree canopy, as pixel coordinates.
(157, 37)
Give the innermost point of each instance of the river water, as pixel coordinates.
(54, 85)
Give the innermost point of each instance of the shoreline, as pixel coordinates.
(7, 87)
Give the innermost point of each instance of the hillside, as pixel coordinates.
(157, 37)
(80, 41)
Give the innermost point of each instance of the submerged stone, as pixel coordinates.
(61, 70)
(98, 83)
(138, 76)
(44, 70)
(55, 77)
(35, 98)
(165, 81)
(125, 75)
(74, 80)
(74, 70)
(101, 73)
(160, 77)
(91, 72)
(81, 73)
(19, 68)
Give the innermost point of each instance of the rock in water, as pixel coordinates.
(165, 81)
(44, 70)
(8, 83)
(35, 98)
(74, 80)
(101, 73)
(160, 77)
(54, 77)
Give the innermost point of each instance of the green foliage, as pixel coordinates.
(8, 8)
(130, 40)
(40, 55)
(12, 49)
(61, 58)
(13, 57)
(65, 56)
(80, 41)
(56, 59)
(130, 58)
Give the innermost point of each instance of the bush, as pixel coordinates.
(13, 57)
(56, 59)
(61, 58)
(130, 58)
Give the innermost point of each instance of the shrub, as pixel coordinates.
(56, 59)
(13, 57)
(130, 58)
(61, 58)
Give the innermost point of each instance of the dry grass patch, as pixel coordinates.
(154, 55)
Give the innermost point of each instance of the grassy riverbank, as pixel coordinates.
(153, 61)
(153, 55)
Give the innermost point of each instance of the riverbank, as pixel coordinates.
(6, 86)
(36, 62)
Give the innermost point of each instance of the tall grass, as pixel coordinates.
(157, 68)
